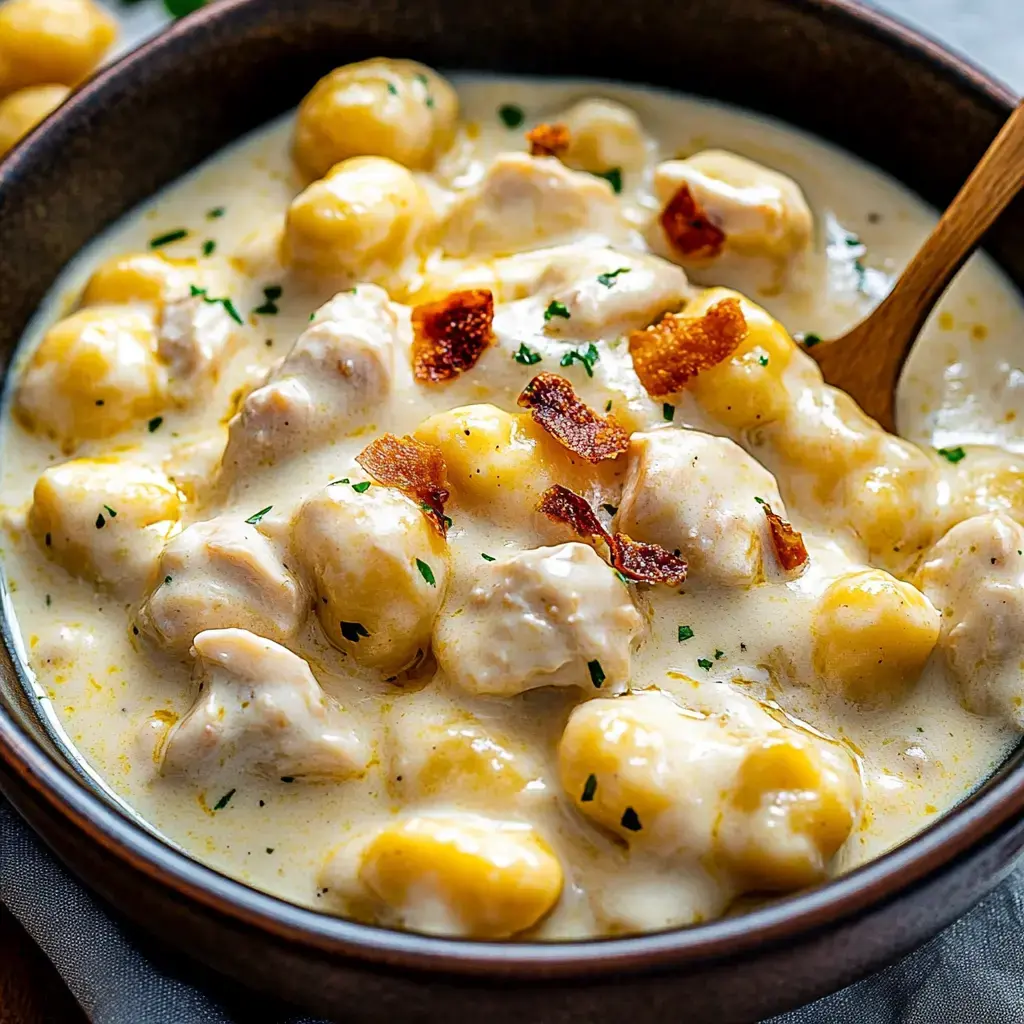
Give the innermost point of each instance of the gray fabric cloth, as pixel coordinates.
(973, 973)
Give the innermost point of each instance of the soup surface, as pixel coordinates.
(273, 457)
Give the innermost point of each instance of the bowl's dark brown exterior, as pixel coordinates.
(832, 68)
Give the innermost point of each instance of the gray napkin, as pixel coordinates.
(973, 973)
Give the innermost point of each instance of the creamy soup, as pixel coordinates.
(423, 511)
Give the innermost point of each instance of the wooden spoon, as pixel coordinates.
(867, 360)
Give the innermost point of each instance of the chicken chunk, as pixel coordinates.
(456, 874)
(554, 616)
(338, 372)
(218, 574)
(105, 519)
(975, 577)
(760, 211)
(260, 710)
(379, 570)
(698, 494)
(525, 202)
(603, 136)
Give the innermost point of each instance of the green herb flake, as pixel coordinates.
(229, 306)
(216, 213)
(556, 308)
(613, 176)
(608, 279)
(685, 633)
(526, 356)
(270, 849)
(426, 572)
(224, 800)
(668, 412)
(705, 663)
(719, 655)
(608, 406)
(953, 455)
(257, 517)
(511, 115)
(631, 820)
(167, 579)
(154, 424)
(809, 340)
(587, 358)
(760, 501)
(361, 488)
(610, 509)
(49, 600)
(288, 778)
(208, 246)
(167, 238)
(110, 512)
(622, 577)
(486, 557)
(179, 8)
(343, 480)
(100, 522)
(597, 675)
(763, 360)
(589, 789)
(352, 631)
(392, 89)
(271, 294)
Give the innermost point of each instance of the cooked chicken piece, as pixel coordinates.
(105, 519)
(603, 136)
(698, 494)
(554, 616)
(525, 202)
(217, 574)
(975, 577)
(260, 710)
(338, 372)
(195, 336)
(379, 570)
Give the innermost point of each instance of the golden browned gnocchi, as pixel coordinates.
(23, 110)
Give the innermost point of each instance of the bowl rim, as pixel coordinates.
(851, 895)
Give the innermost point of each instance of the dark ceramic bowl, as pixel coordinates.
(835, 69)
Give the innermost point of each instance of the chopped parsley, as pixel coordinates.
(486, 557)
(362, 487)
(167, 579)
(100, 522)
(809, 340)
(705, 663)
(631, 820)
(556, 308)
(208, 246)
(216, 213)
(589, 789)
(447, 520)
(587, 358)
(613, 176)
(597, 675)
(511, 115)
(763, 360)
(229, 306)
(760, 501)
(862, 274)
(685, 633)
(526, 356)
(167, 238)
(154, 423)
(953, 455)
(257, 517)
(271, 294)
(719, 655)
(608, 279)
(49, 600)
(343, 480)
(392, 89)
(668, 411)
(352, 631)
(110, 512)
(224, 800)
(622, 576)
(426, 572)
(610, 509)
(608, 406)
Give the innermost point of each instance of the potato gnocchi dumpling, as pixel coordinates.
(461, 875)
(23, 110)
(397, 109)
(143, 278)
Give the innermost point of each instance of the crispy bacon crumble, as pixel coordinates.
(548, 139)
(644, 563)
(788, 543)
(556, 407)
(450, 335)
(667, 354)
(416, 469)
(688, 227)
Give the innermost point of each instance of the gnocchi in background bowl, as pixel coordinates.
(426, 511)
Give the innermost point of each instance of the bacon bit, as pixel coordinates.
(667, 354)
(556, 407)
(418, 470)
(548, 139)
(450, 335)
(646, 563)
(688, 227)
(788, 543)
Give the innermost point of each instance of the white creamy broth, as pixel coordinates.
(749, 658)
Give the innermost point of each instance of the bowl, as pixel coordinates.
(836, 69)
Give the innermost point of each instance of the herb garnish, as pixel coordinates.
(760, 501)
(556, 308)
(685, 633)
(809, 340)
(229, 306)
(587, 358)
(208, 246)
(154, 423)
(223, 801)
(167, 579)
(110, 512)
(392, 89)
(511, 115)
(217, 211)
(613, 176)
(486, 557)
(668, 411)
(608, 406)
(608, 279)
(426, 572)
(719, 654)
(953, 455)
(343, 480)
(526, 356)
(271, 293)
(597, 675)
(166, 239)
(705, 663)
(763, 360)
(287, 778)
(352, 631)
(631, 820)
(362, 487)
(258, 516)
(589, 789)
(100, 522)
